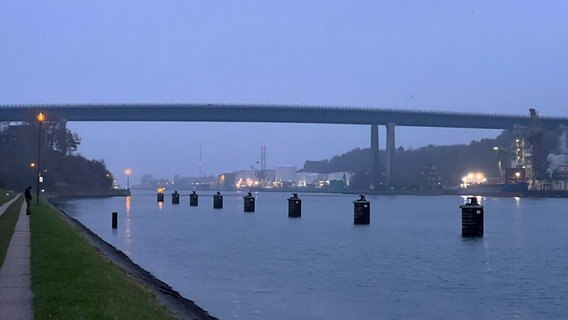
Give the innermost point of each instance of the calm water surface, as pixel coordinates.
(410, 263)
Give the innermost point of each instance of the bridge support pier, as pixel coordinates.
(374, 179)
(389, 160)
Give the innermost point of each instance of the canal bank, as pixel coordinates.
(75, 274)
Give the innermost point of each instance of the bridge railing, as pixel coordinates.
(275, 106)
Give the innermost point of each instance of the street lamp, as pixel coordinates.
(128, 172)
(32, 166)
(40, 119)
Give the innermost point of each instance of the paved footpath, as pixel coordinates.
(15, 277)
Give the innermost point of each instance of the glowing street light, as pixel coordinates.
(32, 167)
(128, 172)
(40, 118)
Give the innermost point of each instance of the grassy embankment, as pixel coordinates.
(70, 280)
(5, 196)
(8, 223)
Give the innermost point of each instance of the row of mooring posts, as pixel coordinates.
(294, 202)
(472, 213)
(361, 213)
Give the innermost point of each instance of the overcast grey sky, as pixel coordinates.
(488, 56)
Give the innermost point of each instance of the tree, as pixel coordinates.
(61, 168)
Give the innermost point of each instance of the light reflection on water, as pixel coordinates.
(411, 262)
(128, 222)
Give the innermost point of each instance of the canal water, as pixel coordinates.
(409, 263)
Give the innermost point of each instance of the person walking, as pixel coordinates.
(28, 195)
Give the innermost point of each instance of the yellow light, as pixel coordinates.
(474, 177)
(160, 190)
(128, 204)
(32, 164)
(128, 172)
(40, 117)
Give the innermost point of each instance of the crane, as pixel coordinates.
(535, 138)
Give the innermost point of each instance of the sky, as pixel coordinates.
(479, 56)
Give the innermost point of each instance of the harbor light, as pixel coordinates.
(473, 178)
(128, 172)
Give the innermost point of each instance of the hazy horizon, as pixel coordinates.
(472, 56)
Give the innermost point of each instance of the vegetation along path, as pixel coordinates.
(71, 280)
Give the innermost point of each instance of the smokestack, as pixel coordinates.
(263, 157)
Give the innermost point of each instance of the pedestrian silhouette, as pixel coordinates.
(28, 195)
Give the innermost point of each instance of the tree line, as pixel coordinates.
(62, 168)
(450, 162)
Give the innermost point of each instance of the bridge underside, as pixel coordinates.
(270, 113)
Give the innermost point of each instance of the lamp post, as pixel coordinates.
(128, 172)
(40, 119)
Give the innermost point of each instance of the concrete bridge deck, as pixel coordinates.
(212, 112)
(271, 113)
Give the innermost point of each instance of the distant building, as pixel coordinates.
(344, 177)
(306, 179)
(147, 180)
(226, 180)
(285, 174)
(246, 179)
(431, 178)
(269, 175)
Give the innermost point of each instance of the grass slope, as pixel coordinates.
(5, 195)
(7, 224)
(70, 280)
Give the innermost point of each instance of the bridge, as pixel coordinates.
(212, 112)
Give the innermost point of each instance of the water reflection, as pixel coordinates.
(517, 202)
(127, 204)
(411, 256)
(127, 233)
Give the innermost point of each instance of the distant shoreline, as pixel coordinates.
(126, 192)
(88, 194)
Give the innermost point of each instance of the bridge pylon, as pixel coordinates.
(390, 153)
(375, 166)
